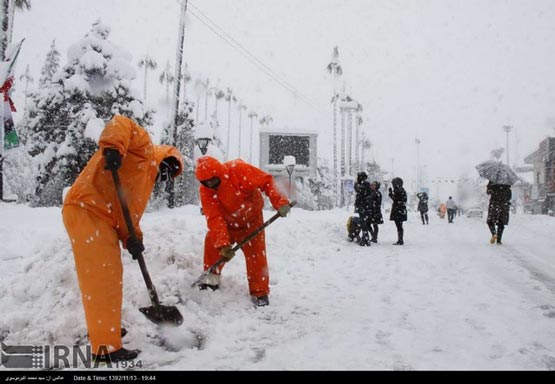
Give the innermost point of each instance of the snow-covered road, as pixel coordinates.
(446, 300)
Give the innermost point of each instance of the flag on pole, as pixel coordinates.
(7, 73)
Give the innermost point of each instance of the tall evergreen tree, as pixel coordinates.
(51, 65)
(69, 113)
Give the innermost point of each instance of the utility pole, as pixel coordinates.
(4, 26)
(176, 90)
(507, 128)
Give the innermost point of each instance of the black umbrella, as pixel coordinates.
(497, 172)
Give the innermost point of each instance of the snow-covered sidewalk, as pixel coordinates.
(446, 300)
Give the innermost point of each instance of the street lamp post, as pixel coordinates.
(289, 162)
(507, 128)
(417, 141)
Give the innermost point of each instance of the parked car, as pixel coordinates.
(475, 212)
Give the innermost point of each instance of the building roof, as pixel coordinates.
(532, 158)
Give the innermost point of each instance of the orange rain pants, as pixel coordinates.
(99, 270)
(254, 251)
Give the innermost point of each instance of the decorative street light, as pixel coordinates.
(203, 137)
(289, 162)
(203, 144)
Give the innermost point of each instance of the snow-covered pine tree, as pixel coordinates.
(321, 186)
(92, 87)
(51, 65)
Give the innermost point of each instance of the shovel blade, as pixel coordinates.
(163, 314)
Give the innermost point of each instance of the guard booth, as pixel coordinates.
(276, 145)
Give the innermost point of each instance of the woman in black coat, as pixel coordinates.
(375, 210)
(399, 207)
(498, 210)
(423, 206)
(362, 206)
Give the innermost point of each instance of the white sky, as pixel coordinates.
(449, 72)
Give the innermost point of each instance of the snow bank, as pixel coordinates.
(446, 300)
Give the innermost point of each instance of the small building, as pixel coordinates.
(542, 194)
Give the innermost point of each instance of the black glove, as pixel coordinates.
(135, 246)
(113, 159)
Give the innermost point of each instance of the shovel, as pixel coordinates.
(157, 313)
(222, 259)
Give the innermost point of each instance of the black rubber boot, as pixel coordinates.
(499, 234)
(375, 233)
(262, 301)
(400, 237)
(119, 355)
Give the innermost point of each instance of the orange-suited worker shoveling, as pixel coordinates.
(232, 203)
(95, 212)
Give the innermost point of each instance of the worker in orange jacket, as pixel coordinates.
(232, 203)
(95, 224)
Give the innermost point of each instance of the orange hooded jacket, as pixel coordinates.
(237, 201)
(94, 189)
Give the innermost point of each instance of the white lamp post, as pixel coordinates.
(289, 162)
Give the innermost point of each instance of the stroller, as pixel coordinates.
(353, 229)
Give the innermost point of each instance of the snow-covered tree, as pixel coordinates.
(167, 77)
(230, 98)
(67, 116)
(149, 63)
(316, 192)
(51, 65)
(185, 186)
(27, 78)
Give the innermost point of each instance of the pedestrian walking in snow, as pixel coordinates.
(399, 207)
(375, 210)
(423, 207)
(95, 223)
(498, 210)
(362, 207)
(451, 209)
(232, 202)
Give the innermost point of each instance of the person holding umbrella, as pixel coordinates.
(498, 210)
(500, 177)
